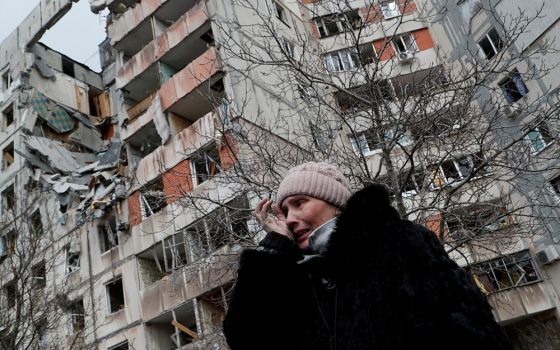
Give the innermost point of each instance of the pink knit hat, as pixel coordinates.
(319, 180)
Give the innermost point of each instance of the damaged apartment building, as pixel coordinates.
(123, 206)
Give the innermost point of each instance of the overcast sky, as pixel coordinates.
(76, 35)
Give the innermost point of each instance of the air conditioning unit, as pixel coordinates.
(405, 56)
(548, 255)
(512, 110)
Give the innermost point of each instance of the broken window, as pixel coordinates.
(453, 170)
(153, 198)
(39, 275)
(368, 141)
(490, 44)
(555, 184)
(115, 295)
(361, 97)
(513, 87)
(175, 328)
(76, 318)
(506, 272)
(405, 43)
(6, 80)
(10, 294)
(8, 198)
(367, 53)
(72, 260)
(341, 60)
(390, 9)
(7, 244)
(438, 124)
(35, 223)
(205, 165)
(8, 116)
(68, 66)
(338, 23)
(540, 137)
(477, 219)
(108, 234)
(8, 156)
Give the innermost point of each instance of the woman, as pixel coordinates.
(342, 271)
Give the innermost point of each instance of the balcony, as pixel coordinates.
(162, 57)
(520, 302)
(136, 27)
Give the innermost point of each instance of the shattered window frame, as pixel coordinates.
(111, 287)
(540, 138)
(458, 166)
(205, 164)
(405, 43)
(36, 223)
(76, 321)
(479, 219)
(71, 261)
(153, 198)
(490, 44)
(513, 87)
(506, 272)
(107, 233)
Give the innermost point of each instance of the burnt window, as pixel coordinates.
(35, 223)
(115, 295)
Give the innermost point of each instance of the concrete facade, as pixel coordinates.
(139, 173)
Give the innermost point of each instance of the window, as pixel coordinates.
(10, 293)
(491, 44)
(539, 138)
(8, 156)
(205, 165)
(382, 91)
(367, 54)
(338, 23)
(469, 8)
(72, 260)
(306, 92)
(39, 275)
(368, 141)
(35, 223)
(8, 116)
(281, 13)
(555, 184)
(8, 198)
(76, 319)
(42, 334)
(7, 244)
(409, 184)
(453, 170)
(120, 346)
(108, 234)
(438, 124)
(513, 87)
(478, 219)
(6, 80)
(115, 295)
(390, 9)
(68, 66)
(220, 227)
(341, 60)
(153, 198)
(405, 43)
(289, 48)
(506, 272)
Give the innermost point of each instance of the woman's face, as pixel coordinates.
(304, 214)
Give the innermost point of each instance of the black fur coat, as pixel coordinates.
(385, 283)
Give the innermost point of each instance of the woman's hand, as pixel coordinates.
(271, 223)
